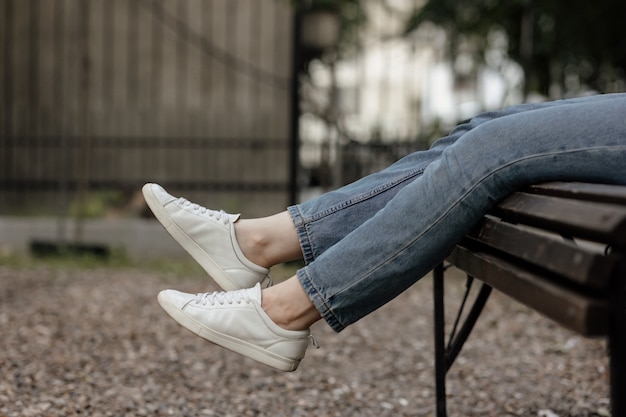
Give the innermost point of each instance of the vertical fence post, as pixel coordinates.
(294, 125)
(6, 127)
(84, 164)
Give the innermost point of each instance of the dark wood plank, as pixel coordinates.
(585, 315)
(600, 222)
(576, 264)
(601, 193)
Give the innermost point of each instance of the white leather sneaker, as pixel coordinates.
(209, 237)
(235, 320)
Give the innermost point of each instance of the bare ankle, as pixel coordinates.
(268, 241)
(289, 306)
(252, 243)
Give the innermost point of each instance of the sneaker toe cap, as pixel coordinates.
(174, 299)
(159, 193)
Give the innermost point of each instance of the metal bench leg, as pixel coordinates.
(617, 344)
(440, 346)
(445, 355)
(457, 341)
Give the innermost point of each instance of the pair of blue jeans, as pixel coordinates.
(365, 243)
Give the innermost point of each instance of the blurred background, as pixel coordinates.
(251, 105)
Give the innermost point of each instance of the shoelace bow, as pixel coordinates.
(220, 215)
(222, 297)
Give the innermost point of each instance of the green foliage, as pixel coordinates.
(96, 204)
(552, 40)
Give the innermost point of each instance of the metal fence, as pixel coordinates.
(100, 96)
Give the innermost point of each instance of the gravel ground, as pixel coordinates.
(94, 342)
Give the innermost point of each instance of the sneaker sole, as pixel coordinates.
(197, 253)
(244, 348)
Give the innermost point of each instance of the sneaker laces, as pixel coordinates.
(220, 215)
(223, 297)
(232, 297)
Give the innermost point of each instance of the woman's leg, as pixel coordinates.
(325, 220)
(582, 140)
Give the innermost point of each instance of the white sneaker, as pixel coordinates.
(209, 237)
(235, 320)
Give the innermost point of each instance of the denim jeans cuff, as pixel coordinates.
(305, 242)
(318, 300)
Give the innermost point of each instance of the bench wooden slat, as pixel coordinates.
(579, 265)
(600, 222)
(600, 193)
(585, 315)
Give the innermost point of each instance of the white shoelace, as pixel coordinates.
(220, 215)
(223, 297)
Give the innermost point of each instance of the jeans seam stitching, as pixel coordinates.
(364, 196)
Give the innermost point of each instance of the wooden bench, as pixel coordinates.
(559, 248)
